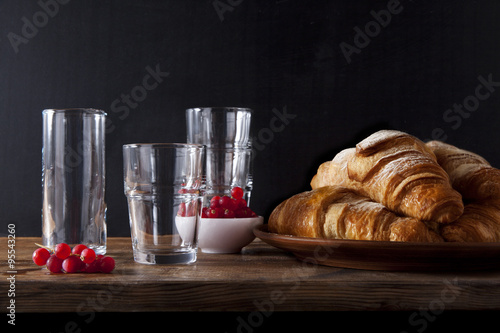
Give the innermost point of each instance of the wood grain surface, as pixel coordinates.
(259, 279)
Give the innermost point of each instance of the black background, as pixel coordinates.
(272, 56)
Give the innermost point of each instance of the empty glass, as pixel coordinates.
(227, 168)
(162, 183)
(225, 131)
(219, 127)
(73, 178)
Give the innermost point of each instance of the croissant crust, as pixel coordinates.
(470, 174)
(398, 171)
(335, 212)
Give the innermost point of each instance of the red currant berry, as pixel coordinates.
(216, 212)
(244, 212)
(227, 203)
(237, 192)
(240, 213)
(71, 264)
(229, 213)
(234, 204)
(62, 250)
(241, 203)
(93, 267)
(214, 202)
(40, 256)
(204, 212)
(107, 264)
(87, 256)
(78, 249)
(54, 264)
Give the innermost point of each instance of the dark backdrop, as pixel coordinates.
(320, 75)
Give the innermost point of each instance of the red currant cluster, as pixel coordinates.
(67, 260)
(228, 207)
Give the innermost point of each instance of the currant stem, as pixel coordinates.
(45, 247)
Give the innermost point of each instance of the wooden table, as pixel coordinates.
(260, 279)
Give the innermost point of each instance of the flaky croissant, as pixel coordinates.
(397, 170)
(480, 222)
(335, 212)
(470, 174)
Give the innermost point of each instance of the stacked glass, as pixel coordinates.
(225, 132)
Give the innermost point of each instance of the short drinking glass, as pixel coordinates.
(162, 184)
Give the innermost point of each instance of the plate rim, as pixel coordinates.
(262, 232)
(387, 255)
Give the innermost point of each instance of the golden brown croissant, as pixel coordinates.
(470, 174)
(398, 171)
(480, 222)
(335, 212)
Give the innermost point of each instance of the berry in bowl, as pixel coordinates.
(226, 224)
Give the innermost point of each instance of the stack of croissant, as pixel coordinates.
(394, 187)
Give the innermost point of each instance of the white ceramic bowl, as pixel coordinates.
(226, 235)
(186, 227)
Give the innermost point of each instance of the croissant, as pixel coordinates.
(398, 171)
(480, 222)
(335, 212)
(470, 174)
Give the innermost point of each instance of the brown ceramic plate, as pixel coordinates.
(377, 255)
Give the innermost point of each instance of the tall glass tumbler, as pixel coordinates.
(162, 183)
(219, 127)
(73, 178)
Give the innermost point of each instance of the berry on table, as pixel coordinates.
(78, 249)
(87, 255)
(72, 264)
(80, 259)
(40, 256)
(107, 264)
(93, 267)
(62, 250)
(54, 264)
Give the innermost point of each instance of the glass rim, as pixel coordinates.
(75, 111)
(220, 108)
(163, 145)
(217, 149)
